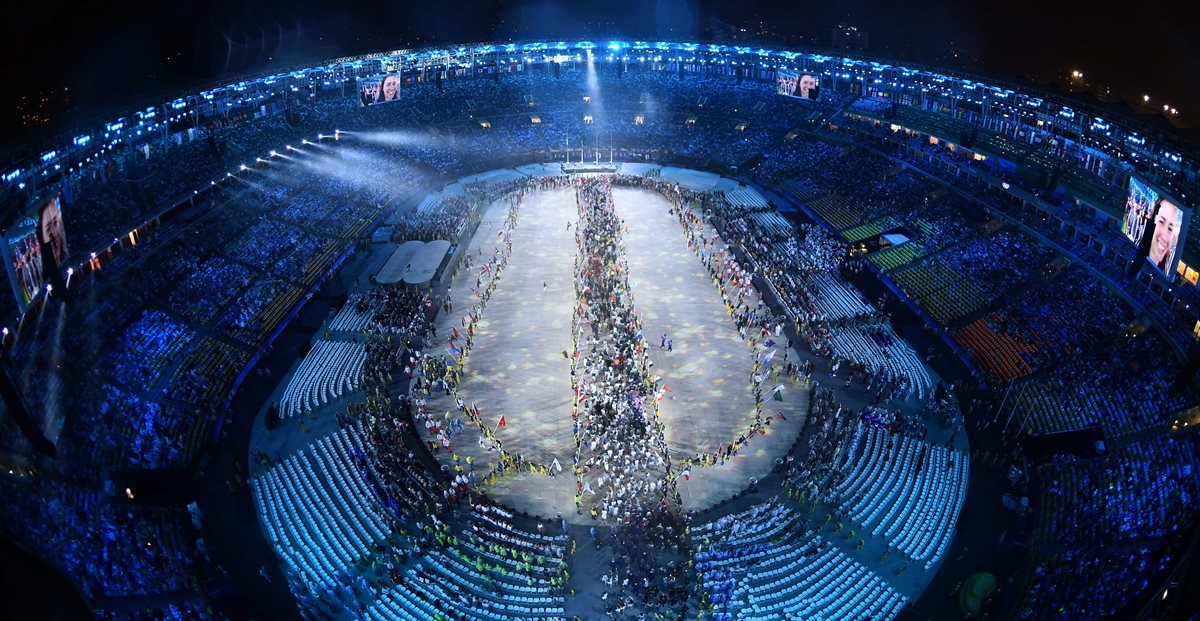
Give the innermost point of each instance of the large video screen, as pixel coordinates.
(35, 249)
(379, 89)
(52, 236)
(798, 84)
(1170, 218)
(23, 256)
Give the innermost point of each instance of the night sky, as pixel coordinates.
(65, 62)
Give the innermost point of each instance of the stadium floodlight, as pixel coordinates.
(320, 136)
(243, 167)
(4, 331)
(49, 287)
(70, 270)
(274, 154)
(257, 159)
(1145, 98)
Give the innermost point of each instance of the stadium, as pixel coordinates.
(592, 329)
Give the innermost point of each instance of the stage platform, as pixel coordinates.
(580, 168)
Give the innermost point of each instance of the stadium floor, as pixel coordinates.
(517, 362)
(516, 368)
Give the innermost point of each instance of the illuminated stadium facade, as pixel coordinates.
(842, 339)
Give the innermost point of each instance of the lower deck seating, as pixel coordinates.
(331, 369)
(906, 491)
(317, 511)
(764, 563)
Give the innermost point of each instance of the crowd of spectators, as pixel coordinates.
(109, 550)
(150, 375)
(964, 278)
(1108, 527)
(1122, 385)
(1045, 323)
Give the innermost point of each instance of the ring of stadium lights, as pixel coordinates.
(349, 68)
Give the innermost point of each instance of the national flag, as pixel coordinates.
(777, 393)
(587, 487)
(687, 474)
(557, 466)
(453, 351)
(454, 331)
(502, 424)
(662, 392)
(767, 359)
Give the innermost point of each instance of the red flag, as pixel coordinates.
(455, 330)
(502, 424)
(665, 389)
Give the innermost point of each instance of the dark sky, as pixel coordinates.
(110, 57)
